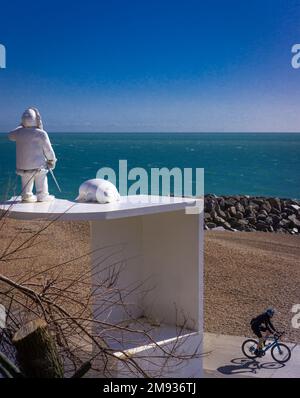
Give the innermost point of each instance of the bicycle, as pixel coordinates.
(279, 351)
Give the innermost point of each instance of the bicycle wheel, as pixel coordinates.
(249, 348)
(281, 353)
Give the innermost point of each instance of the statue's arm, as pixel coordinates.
(47, 148)
(12, 135)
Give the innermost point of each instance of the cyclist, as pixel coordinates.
(262, 323)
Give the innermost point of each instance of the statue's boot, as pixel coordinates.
(45, 198)
(29, 198)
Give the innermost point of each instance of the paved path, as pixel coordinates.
(224, 358)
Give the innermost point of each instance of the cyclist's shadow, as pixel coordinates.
(244, 365)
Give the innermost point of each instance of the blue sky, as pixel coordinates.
(152, 65)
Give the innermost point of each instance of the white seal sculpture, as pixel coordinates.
(98, 190)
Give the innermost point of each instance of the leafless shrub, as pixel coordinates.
(63, 294)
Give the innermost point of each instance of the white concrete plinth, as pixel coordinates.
(151, 353)
(156, 251)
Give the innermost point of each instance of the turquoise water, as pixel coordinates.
(254, 164)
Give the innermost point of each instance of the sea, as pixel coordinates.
(261, 164)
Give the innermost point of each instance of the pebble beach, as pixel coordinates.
(244, 272)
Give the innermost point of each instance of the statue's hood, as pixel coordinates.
(31, 118)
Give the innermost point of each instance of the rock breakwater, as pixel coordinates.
(252, 213)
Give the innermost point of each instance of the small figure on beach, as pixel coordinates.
(34, 156)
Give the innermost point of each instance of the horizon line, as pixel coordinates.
(167, 132)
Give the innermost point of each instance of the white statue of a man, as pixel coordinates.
(35, 156)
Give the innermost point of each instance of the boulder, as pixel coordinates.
(251, 219)
(250, 210)
(275, 211)
(240, 224)
(240, 208)
(209, 205)
(263, 211)
(232, 210)
(239, 215)
(295, 223)
(295, 202)
(288, 211)
(221, 213)
(280, 230)
(269, 220)
(276, 218)
(219, 220)
(258, 201)
(261, 217)
(227, 226)
(275, 203)
(262, 226)
(295, 208)
(244, 201)
(266, 206)
(254, 205)
(249, 228)
(221, 202)
(213, 214)
(211, 225)
(284, 223)
(219, 229)
(229, 202)
(207, 217)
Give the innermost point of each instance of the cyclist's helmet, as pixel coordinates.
(270, 312)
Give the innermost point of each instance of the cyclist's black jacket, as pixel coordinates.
(263, 319)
